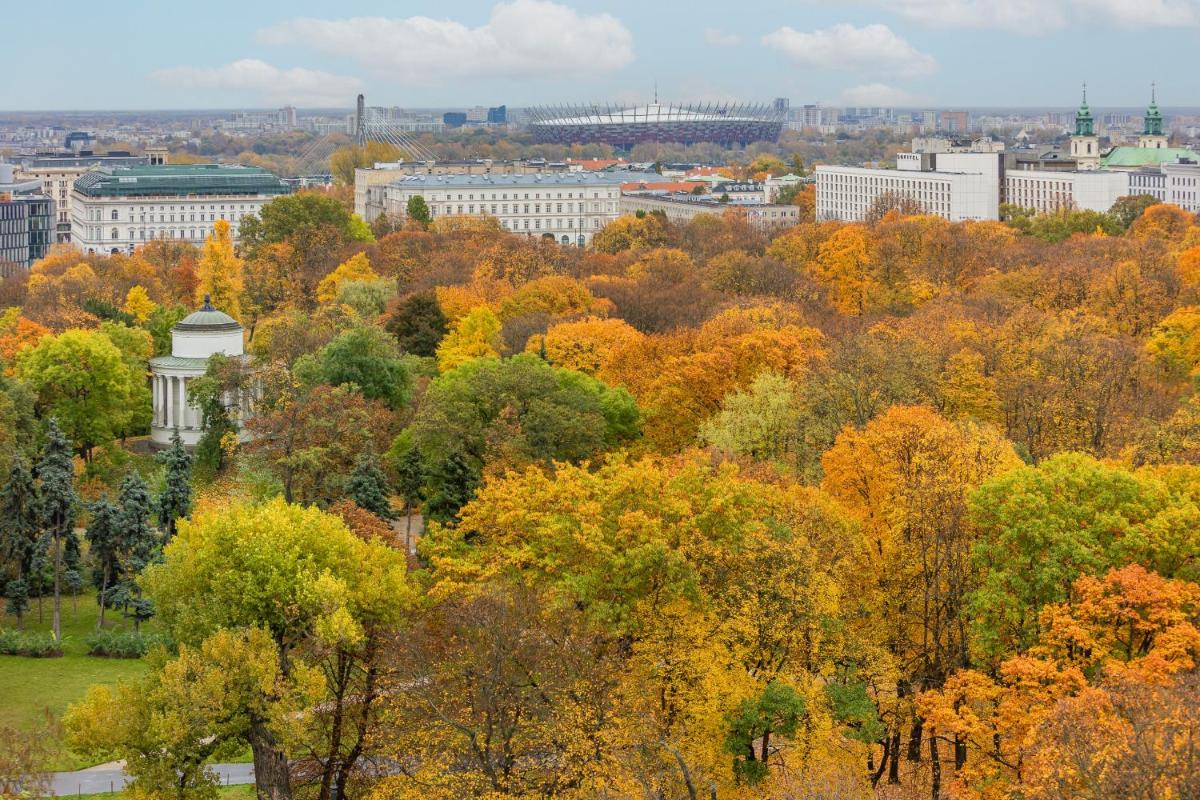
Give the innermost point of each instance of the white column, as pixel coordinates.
(181, 395)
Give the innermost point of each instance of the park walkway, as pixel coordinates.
(112, 778)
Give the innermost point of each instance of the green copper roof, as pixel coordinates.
(1153, 122)
(207, 319)
(1085, 124)
(1146, 156)
(174, 180)
(176, 362)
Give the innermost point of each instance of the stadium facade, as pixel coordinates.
(720, 123)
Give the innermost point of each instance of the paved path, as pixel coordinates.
(111, 778)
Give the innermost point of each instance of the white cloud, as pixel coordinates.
(1042, 16)
(878, 94)
(873, 49)
(720, 38)
(270, 84)
(522, 39)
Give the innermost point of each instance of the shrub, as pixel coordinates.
(123, 644)
(33, 645)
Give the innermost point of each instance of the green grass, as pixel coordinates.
(245, 792)
(29, 687)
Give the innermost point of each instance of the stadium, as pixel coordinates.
(721, 123)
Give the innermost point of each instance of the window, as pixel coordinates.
(115, 234)
(114, 214)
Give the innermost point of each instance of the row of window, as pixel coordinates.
(517, 208)
(436, 197)
(166, 233)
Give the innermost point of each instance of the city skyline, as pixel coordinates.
(944, 53)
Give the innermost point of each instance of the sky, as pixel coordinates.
(153, 54)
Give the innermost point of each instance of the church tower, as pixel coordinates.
(1085, 145)
(1152, 129)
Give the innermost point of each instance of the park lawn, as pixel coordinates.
(31, 686)
(244, 792)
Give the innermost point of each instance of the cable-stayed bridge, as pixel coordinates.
(371, 124)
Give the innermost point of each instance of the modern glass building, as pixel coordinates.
(26, 222)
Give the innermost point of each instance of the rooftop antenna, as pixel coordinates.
(655, 91)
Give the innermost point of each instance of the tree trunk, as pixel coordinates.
(103, 592)
(272, 780)
(57, 623)
(914, 740)
(935, 770)
(960, 753)
(894, 760)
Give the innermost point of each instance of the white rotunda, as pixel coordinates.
(194, 339)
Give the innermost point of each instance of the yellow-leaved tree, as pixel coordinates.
(138, 304)
(220, 271)
(356, 268)
(477, 335)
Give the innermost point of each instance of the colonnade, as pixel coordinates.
(171, 407)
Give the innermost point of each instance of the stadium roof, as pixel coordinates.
(658, 113)
(179, 180)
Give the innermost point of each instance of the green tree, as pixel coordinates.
(418, 211)
(511, 413)
(1128, 208)
(56, 512)
(104, 550)
(368, 487)
(1040, 528)
(763, 423)
(175, 502)
(18, 536)
(418, 324)
(140, 546)
(84, 381)
(363, 357)
(779, 710)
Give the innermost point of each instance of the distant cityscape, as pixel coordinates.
(111, 181)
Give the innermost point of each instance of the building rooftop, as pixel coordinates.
(179, 179)
(533, 179)
(1146, 156)
(82, 160)
(207, 319)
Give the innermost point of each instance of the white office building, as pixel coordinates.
(117, 209)
(1047, 191)
(954, 186)
(568, 206)
(1178, 184)
(59, 171)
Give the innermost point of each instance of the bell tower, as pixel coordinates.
(1085, 145)
(1152, 127)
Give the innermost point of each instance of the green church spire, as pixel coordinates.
(1085, 125)
(1154, 119)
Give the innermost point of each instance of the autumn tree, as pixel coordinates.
(262, 600)
(477, 335)
(220, 272)
(907, 476)
(357, 268)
